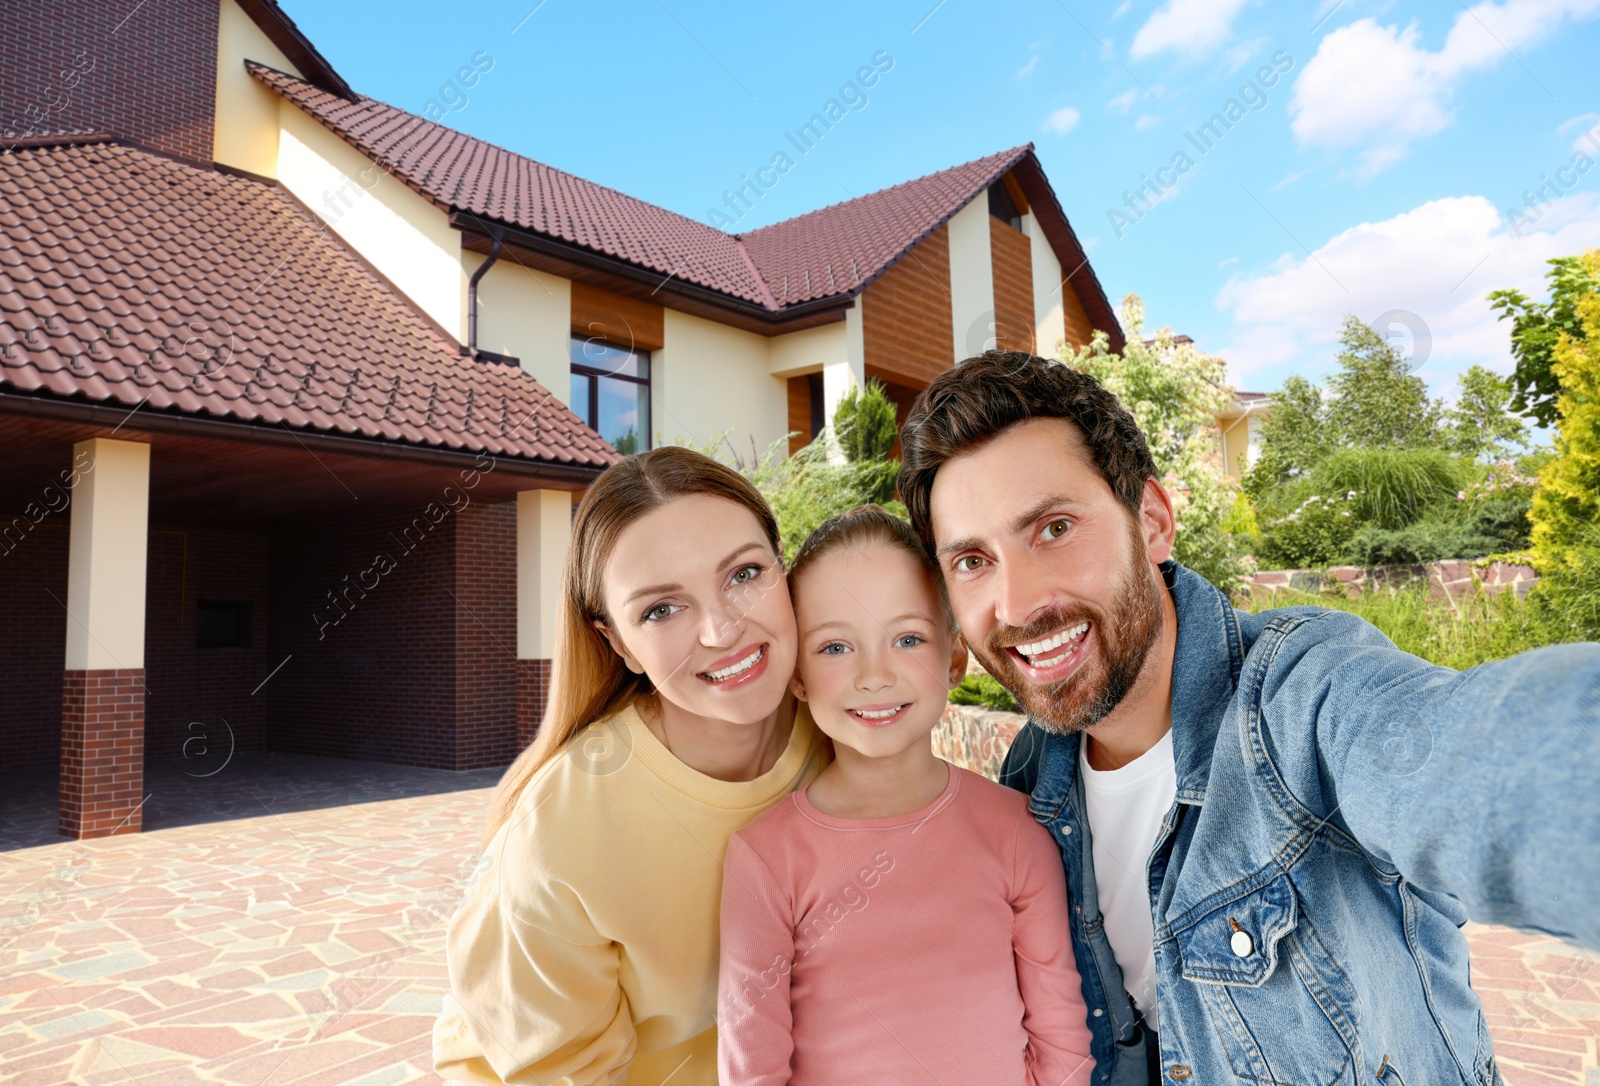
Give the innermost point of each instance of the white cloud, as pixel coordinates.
(1378, 88)
(1146, 121)
(1122, 9)
(1437, 261)
(1188, 27)
(1027, 69)
(1123, 102)
(1062, 121)
(1587, 125)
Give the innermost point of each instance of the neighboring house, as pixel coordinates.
(1240, 425)
(297, 389)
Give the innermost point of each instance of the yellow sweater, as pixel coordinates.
(585, 948)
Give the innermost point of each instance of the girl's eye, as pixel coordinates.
(967, 563)
(746, 574)
(659, 612)
(910, 641)
(834, 648)
(1056, 528)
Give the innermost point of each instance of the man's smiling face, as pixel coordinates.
(1051, 577)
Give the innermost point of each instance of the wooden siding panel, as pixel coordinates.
(905, 315)
(616, 318)
(1012, 258)
(799, 414)
(1079, 329)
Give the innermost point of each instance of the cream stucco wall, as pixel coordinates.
(404, 236)
(971, 280)
(528, 315)
(710, 379)
(808, 351)
(109, 530)
(1049, 319)
(245, 135)
(544, 524)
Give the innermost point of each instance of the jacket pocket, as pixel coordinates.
(1270, 990)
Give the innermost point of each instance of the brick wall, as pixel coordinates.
(102, 752)
(533, 692)
(33, 643)
(905, 315)
(1011, 258)
(486, 636)
(204, 694)
(146, 71)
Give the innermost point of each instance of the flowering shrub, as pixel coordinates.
(1317, 532)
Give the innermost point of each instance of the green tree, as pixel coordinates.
(1481, 426)
(1294, 437)
(1536, 328)
(864, 423)
(1174, 392)
(1566, 503)
(1375, 400)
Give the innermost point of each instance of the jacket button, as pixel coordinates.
(1180, 1071)
(1066, 830)
(1242, 944)
(1098, 1012)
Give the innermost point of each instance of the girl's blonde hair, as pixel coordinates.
(868, 524)
(587, 678)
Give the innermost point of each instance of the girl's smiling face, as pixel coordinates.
(877, 655)
(696, 601)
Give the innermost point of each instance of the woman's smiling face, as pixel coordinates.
(696, 600)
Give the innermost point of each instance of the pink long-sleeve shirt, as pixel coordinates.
(927, 948)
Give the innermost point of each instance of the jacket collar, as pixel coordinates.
(1205, 672)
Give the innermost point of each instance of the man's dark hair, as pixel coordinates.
(970, 404)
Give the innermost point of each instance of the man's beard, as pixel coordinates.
(1123, 641)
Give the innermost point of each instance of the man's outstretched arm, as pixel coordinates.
(1483, 784)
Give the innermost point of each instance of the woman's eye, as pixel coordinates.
(834, 648)
(659, 612)
(910, 641)
(746, 574)
(1056, 529)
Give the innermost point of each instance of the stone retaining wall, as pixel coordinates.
(1448, 581)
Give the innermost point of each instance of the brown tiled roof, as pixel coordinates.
(841, 248)
(134, 279)
(459, 172)
(834, 252)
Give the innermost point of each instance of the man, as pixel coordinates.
(1272, 825)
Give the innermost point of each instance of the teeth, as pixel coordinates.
(1059, 639)
(877, 714)
(742, 666)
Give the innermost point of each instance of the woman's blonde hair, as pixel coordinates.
(587, 678)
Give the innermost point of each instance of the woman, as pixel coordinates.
(585, 948)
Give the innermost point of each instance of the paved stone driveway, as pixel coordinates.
(306, 947)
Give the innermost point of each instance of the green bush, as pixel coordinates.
(1316, 532)
(864, 424)
(1425, 541)
(985, 690)
(1393, 487)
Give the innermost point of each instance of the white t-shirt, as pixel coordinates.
(1126, 809)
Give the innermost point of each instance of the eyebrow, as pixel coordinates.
(922, 615)
(652, 589)
(1018, 523)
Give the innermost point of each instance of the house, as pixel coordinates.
(1240, 426)
(297, 388)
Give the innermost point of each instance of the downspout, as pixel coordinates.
(471, 349)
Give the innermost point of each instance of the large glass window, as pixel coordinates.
(611, 392)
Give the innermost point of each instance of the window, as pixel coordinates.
(1003, 207)
(611, 392)
(222, 624)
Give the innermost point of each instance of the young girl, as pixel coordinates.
(899, 920)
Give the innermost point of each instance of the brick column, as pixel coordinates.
(544, 524)
(102, 693)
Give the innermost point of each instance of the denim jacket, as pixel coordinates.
(1342, 808)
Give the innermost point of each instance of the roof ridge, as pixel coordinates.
(1017, 152)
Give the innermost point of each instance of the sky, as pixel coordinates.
(1394, 161)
